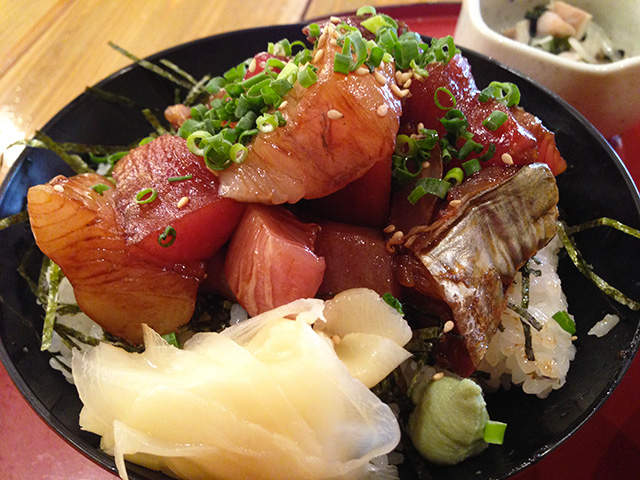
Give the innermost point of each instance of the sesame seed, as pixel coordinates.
(574, 338)
(398, 76)
(382, 110)
(283, 105)
(183, 201)
(362, 70)
(420, 127)
(335, 19)
(396, 90)
(318, 56)
(437, 376)
(417, 76)
(58, 188)
(379, 78)
(389, 228)
(407, 84)
(253, 65)
(336, 339)
(448, 326)
(507, 159)
(333, 42)
(455, 203)
(263, 64)
(334, 114)
(426, 164)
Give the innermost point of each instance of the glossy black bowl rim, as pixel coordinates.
(106, 461)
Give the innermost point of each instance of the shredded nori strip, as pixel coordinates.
(52, 305)
(14, 219)
(531, 320)
(67, 332)
(528, 347)
(586, 270)
(153, 120)
(152, 67)
(110, 96)
(172, 66)
(197, 90)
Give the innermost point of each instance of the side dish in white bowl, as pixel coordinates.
(605, 90)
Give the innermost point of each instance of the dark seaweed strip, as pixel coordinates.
(524, 303)
(14, 219)
(585, 269)
(52, 305)
(602, 222)
(150, 66)
(172, 66)
(71, 333)
(74, 161)
(153, 120)
(56, 356)
(528, 347)
(110, 96)
(198, 89)
(525, 315)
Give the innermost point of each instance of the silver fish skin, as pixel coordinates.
(472, 253)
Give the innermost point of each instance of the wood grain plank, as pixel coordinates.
(322, 8)
(73, 51)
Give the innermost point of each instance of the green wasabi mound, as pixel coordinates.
(448, 422)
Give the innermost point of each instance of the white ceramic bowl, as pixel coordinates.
(607, 95)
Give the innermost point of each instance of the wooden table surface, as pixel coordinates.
(50, 50)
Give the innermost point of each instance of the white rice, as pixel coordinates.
(61, 359)
(506, 361)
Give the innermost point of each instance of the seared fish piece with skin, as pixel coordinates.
(470, 255)
(336, 130)
(114, 285)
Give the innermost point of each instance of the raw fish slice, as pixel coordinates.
(203, 221)
(77, 229)
(314, 155)
(471, 254)
(270, 260)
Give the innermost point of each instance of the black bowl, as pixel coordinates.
(596, 184)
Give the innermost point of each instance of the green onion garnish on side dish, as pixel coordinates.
(146, 195)
(494, 432)
(166, 238)
(565, 321)
(495, 120)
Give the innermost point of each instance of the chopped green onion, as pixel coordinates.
(468, 147)
(308, 76)
(405, 145)
(267, 123)
(178, 179)
(495, 120)
(171, 339)
(314, 30)
(341, 63)
(166, 238)
(393, 302)
(146, 195)
(431, 185)
(486, 156)
(366, 10)
(454, 176)
(494, 432)
(504, 92)
(455, 122)
(194, 139)
(471, 166)
(238, 153)
(565, 321)
(100, 188)
(449, 94)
